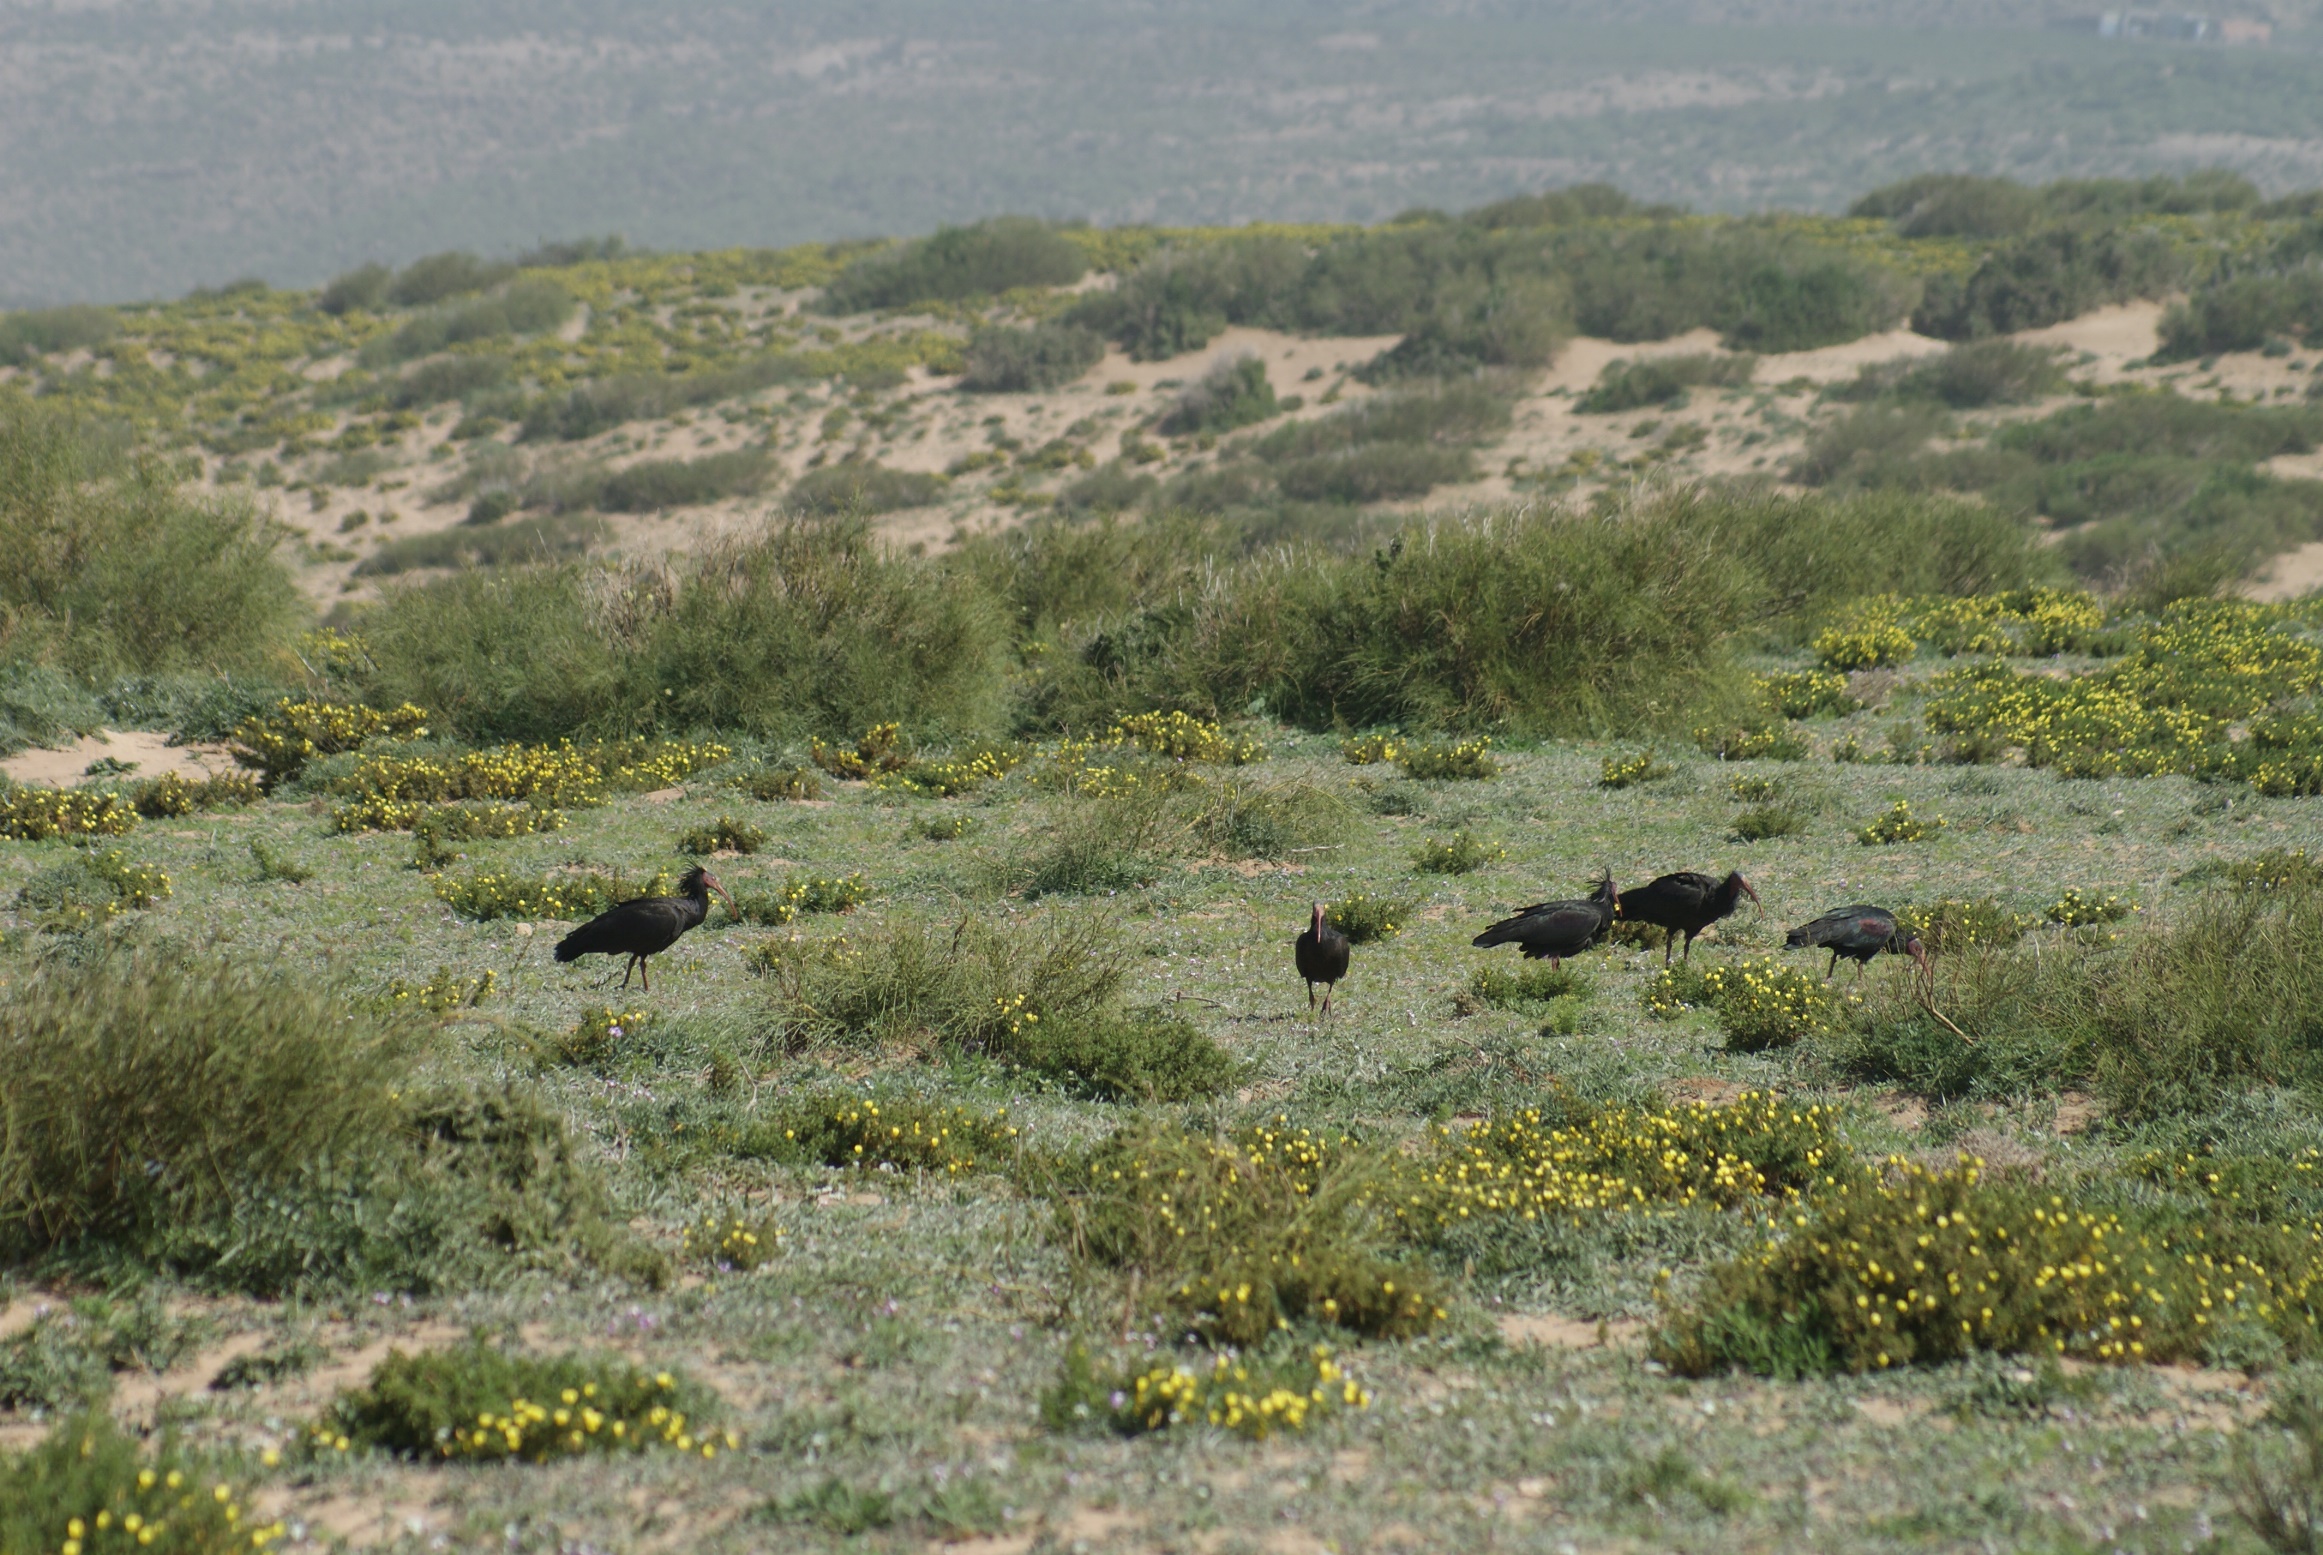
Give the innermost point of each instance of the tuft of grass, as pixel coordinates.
(1243, 819)
(888, 1131)
(273, 865)
(171, 795)
(1002, 360)
(1764, 822)
(1461, 853)
(1662, 380)
(1280, 1386)
(70, 1353)
(803, 894)
(1954, 924)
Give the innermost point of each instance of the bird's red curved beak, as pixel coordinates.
(1321, 912)
(711, 881)
(1919, 952)
(1747, 890)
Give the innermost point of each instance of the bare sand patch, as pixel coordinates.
(1554, 1332)
(2296, 572)
(147, 750)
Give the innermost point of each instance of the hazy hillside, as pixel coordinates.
(144, 152)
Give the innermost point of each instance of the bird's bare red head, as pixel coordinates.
(1321, 912)
(1735, 880)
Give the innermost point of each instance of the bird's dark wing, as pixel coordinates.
(1677, 898)
(1844, 925)
(1324, 959)
(1550, 929)
(642, 927)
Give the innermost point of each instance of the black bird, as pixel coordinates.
(1556, 929)
(1321, 953)
(1685, 902)
(1858, 933)
(646, 925)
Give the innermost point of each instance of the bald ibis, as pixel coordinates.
(646, 925)
(1683, 903)
(1858, 933)
(1321, 954)
(1556, 930)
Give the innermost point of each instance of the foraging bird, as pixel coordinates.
(1859, 933)
(1684, 902)
(1321, 954)
(1556, 930)
(646, 925)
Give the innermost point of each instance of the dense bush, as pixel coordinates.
(1020, 361)
(2246, 312)
(1953, 205)
(479, 1402)
(801, 627)
(861, 489)
(1233, 393)
(452, 378)
(1180, 298)
(651, 484)
(438, 276)
(146, 1092)
(88, 1480)
(1967, 377)
(1662, 380)
(360, 289)
(107, 567)
(1518, 323)
(47, 331)
(958, 262)
(546, 537)
(520, 308)
(2045, 277)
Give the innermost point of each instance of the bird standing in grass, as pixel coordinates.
(1555, 930)
(1683, 903)
(1321, 954)
(1858, 933)
(646, 925)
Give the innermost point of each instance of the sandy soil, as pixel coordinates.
(150, 754)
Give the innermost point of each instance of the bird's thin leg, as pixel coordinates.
(645, 974)
(625, 971)
(1670, 943)
(1689, 955)
(1310, 996)
(1327, 991)
(1832, 970)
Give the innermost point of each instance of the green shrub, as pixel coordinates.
(1242, 819)
(362, 289)
(992, 256)
(1467, 761)
(1954, 924)
(727, 835)
(862, 489)
(1763, 823)
(1145, 1056)
(87, 1484)
(1896, 824)
(2245, 312)
(1373, 472)
(1767, 740)
(2046, 276)
(1504, 987)
(173, 795)
(1277, 1387)
(146, 1091)
(1026, 361)
(1180, 297)
(801, 627)
(1662, 380)
(1628, 771)
(803, 894)
(546, 538)
(1462, 853)
(1807, 693)
(1237, 1236)
(1967, 377)
(30, 814)
(1945, 205)
(438, 276)
(777, 783)
(521, 308)
(976, 989)
(489, 895)
(1516, 323)
(1364, 917)
(478, 1402)
(652, 484)
(449, 378)
(1914, 1266)
(901, 1132)
(1232, 393)
(109, 568)
(70, 1352)
(54, 332)
(2079, 909)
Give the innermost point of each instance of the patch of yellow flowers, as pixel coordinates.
(1897, 824)
(30, 814)
(729, 1242)
(590, 1418)
(1627, 771)
(1230, 1396)
(165, 1509)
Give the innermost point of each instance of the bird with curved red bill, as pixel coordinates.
(1858, 933)
(646, 925)
(1551, 931)
(1321, 955)
(1684, 903)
